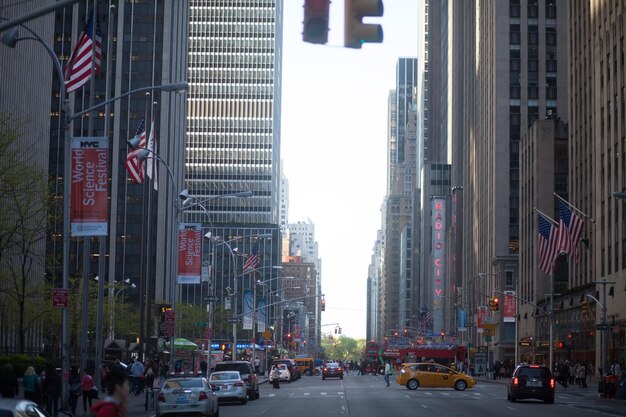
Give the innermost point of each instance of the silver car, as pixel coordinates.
(229, 385)
(187, 396)
(22, 408)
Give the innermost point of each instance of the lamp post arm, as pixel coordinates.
(596, 300)
(121, 96)
(278, 303)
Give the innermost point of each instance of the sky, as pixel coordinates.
(334, 133)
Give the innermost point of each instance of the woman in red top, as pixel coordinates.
(87, 385)
(118, 390)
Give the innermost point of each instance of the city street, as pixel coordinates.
(366, 396)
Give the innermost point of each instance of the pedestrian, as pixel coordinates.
(388, 372)
(583, 375)
(136, 372)
(51, 388)
(150, 373)
(104, 370)
(203, 369)
(162, 374)
(75, 390)
(275, 377)
(87, 385)
(32, 385)
(118, 391)
(257, 365)
(9, 386)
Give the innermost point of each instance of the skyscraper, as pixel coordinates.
(233, 125)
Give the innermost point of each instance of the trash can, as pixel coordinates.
(609, 386)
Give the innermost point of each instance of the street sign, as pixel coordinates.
(201, 324)
(267, 335)
(60, 297)
(603, 326)
(233, 320)
(210, 298)
(170, 318)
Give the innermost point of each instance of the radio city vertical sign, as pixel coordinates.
(189, 253)
(438, 224)
(90, 187)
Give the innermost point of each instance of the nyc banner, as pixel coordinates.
(189, 253)
(509, 307)
(90, 187)
(247, 309)
(261, 315)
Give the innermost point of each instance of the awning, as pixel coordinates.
(181, 343)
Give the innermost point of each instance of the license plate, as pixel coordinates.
(534, 383)
(181, 399)
(224, 386)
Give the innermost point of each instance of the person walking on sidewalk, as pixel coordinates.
(32, 385)
(387, 372)
(9, 387)
(118, 391)
(87, 385)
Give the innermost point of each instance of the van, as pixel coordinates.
(307, 366)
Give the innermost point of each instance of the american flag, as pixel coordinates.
(253, 261)
(564, 243)
(574, 226)
(548, 244)
(133, 165)
(78, 67)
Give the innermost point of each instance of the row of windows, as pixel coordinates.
(248, 60)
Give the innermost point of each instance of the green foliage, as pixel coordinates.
(21, 362)
(343, 348)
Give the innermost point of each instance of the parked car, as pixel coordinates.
(283, 372)
(293, 371)
(332, 370)
(229, 386)
(531, 381)
(10, 407)
(187, 396)
(432, 375)
(246, 370)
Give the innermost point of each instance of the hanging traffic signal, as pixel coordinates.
(496, 304)
(323, 304)
(316, 21)
(340, 330)
(356, 33)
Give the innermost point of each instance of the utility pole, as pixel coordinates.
(604, 327)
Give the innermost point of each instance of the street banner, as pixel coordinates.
(262, 315)
(170, 318)
(481, 314)
(438, 222)
(189, 253)
(89, 215)
(509, 307)
(462, 320)
(60, 297)
(247, 309)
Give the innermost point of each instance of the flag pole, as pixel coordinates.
(570, 205)
(548, 218)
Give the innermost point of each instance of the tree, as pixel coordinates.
(23, 195)
(343, 348)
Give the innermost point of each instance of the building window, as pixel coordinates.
(509, 278)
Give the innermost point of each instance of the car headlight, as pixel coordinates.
(402, 371)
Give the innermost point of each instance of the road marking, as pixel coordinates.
(407, 396)
(428, 393)
(445, 393)
(424, 405)
(511, 408)
(493, 394)
(272, 395)
(322, 393)
(307, 393)
(479, 394)
(340, 392)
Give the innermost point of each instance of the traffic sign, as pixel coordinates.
(60, 297)
(267, 335)
(201, 324)
(210, 298)
(603, 326)
(208, 333)
(233, 320)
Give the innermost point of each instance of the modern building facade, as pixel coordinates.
(284, 200)
(25, 108)
(233, 124)
(597, 141)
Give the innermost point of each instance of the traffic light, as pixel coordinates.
(225, 347)
(443, 334)
(496, 304)
(316, 21)
(356, 33)
(323, 304)
(586, 311)
(340, 330)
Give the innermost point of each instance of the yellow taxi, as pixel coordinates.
(433, 375)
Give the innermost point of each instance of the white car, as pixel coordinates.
(187, 396)
(284, 373)
(228, 385)
(10, 407)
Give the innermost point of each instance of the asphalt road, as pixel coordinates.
(367, 396)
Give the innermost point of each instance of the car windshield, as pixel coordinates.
(538, 373)
(183, 383)
(333, 365)
(232, 367)
(224, 376)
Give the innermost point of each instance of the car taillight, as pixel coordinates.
(161, 398)
(326, 369)
(339, 369)
(551, 382)
(515, 381)
(202, 396)
(239, 384)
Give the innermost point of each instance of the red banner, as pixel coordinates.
(60, 297)
(189, 253)
(480, 318)
(509, 307)
(90, 187)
